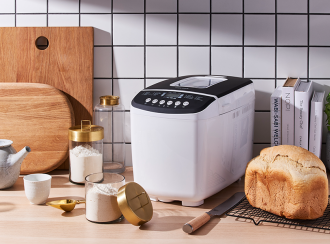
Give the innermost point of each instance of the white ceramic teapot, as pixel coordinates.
(10, 163)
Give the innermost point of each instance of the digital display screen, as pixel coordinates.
(173, 95)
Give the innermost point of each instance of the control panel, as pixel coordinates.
(171, 102)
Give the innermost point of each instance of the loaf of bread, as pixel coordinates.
(288, 181)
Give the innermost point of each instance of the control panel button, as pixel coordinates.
(185, 103)
(169, 102)
(177, 103)
(162, 102)
(155, 100)
(148, 100)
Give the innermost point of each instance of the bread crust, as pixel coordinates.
(288, 181)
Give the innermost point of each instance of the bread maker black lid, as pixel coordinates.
(228, 85)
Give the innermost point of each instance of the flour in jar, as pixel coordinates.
(84, 160)
(101, 203)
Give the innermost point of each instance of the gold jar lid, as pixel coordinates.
(86, 133)
(109, 100)
(134, 203)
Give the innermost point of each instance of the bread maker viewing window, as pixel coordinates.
(201, 82)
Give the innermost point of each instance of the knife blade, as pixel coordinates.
(222, 208)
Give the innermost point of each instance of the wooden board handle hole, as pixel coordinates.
(42, 43)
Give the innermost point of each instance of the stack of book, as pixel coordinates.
(297, 115)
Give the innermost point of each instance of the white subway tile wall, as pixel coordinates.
(194, 6)
(227, 29)
(63, 20)
(194, 29)
(227, 6)
(7, 20)
(292, 61)
(128, 62)
(31, 6)
(259, 6)
(292, 6)
(128, 29)
(194, 60)
(161, 29)
(292, 30)
(102, 62)
(231, 65)
(319, 30)
(128, 6)
(102, 27)
(126, 89)
(168, 6)
(141, 42)
(161, 61)
(259, 30)
(29, 20)
(259, 62)
(7, 6)
(94, 6)
(63, 6)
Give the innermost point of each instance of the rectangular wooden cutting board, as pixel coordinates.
(66, 63)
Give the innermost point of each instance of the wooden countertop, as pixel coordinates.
(22, 222)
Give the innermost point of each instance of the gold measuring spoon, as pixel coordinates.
(67, 204)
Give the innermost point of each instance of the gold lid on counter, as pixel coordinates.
(86, 133)
(134, 203)
(109, 100)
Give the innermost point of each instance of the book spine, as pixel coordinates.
(276, 106)
(315, 140)
(301, 119)
(287, 116)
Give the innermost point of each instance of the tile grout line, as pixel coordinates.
(164, 13)
(79, 9)
(243, 36)
(15, 13)
(253, 78)
(112, 86)
(207, 45)
(210, 41)
(275, 44)
(144, 46)
(177, 38)
(308, 37)
(112, 49)
(47, 6)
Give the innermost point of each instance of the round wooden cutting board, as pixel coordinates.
(38, 116)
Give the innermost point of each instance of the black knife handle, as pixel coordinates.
(195, 223)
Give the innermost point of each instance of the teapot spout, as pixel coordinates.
(18, 157)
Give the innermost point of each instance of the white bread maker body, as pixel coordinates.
(192, 136)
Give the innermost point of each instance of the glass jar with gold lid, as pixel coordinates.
(110, 114)
(86, 151)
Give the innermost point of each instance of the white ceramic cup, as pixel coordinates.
(37, 187)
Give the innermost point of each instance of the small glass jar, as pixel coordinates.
(86, 151)
(110, 114)
(101, 191)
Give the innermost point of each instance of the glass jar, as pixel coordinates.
(110, 114)
(86, 151)
(101, 191)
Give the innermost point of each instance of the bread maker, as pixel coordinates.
(191, 136)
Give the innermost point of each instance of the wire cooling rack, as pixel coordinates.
(246, 211)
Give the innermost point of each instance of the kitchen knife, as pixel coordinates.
(197, 222)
